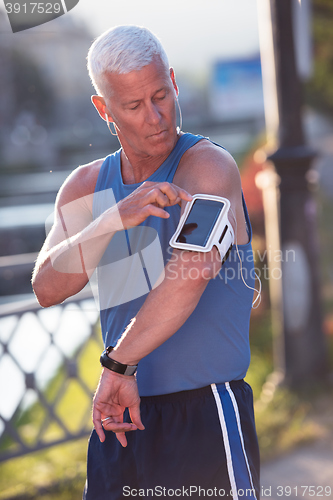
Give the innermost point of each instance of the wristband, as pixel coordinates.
(114, 365)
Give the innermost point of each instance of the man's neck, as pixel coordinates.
(138, 169)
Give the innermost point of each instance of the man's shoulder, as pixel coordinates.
(208, 152)
(206, 160)
(81, 182)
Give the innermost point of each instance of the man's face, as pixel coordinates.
(142, 105)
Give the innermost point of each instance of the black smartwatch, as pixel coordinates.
(115, 366)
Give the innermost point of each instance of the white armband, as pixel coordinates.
(205, 224)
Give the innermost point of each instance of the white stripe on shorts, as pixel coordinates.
(234, 403)
(226, 442)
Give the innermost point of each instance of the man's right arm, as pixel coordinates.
(60, 271)
(76, 242)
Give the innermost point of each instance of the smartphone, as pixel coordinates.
(200, 222)
(204, 224)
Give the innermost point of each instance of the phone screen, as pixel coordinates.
(200, 222)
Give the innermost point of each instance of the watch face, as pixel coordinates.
(200, 222)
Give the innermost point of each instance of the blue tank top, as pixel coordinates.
(213, 344)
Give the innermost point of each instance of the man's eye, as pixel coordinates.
(134, 107)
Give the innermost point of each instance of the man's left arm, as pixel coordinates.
(167, 307)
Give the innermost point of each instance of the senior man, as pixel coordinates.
(182, 424)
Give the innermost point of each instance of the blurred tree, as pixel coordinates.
(319, 90)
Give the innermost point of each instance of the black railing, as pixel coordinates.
(49, 368)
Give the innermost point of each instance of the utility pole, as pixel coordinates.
(299, 344)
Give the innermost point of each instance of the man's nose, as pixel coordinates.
(153, 114)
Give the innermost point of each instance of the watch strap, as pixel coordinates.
(114, 365)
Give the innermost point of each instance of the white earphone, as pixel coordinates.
(106, 116)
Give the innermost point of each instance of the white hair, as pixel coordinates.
(122, 49)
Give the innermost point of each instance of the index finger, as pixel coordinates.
(184, 195)
(174, 193)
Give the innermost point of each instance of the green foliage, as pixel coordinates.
(49, 474)
(283, 423)
(319, 90)
(261, 352)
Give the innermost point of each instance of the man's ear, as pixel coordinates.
(173, 79)
(99, 103)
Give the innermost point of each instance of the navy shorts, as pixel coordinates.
(195, 444)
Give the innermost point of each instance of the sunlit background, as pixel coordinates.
(49, 127)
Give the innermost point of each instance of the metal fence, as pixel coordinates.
(49, 368)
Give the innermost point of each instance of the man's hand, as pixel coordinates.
(149, 199)
(114, 394)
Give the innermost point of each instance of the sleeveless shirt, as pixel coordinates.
(212, 346)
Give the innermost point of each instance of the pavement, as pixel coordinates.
(306, 473)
